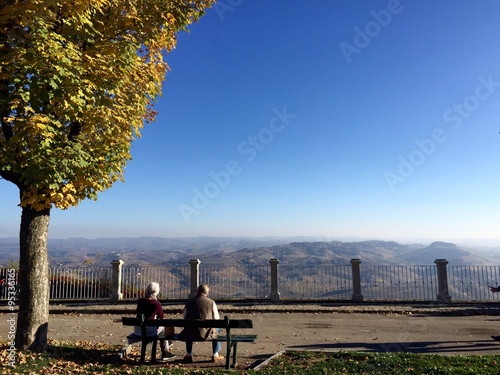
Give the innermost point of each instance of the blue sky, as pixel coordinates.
(340, 119)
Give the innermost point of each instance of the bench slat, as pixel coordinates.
(176, 337)
(211, 323)
(241, 338)
(127, 321)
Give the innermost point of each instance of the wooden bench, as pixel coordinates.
(229, 338)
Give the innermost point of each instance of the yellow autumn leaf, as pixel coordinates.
(77, 82)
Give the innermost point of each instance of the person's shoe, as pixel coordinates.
(496, 338)
(167, 355)
(188, 359)
(218, 358)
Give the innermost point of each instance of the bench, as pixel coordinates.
(229, 338)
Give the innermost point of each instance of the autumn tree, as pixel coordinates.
(77, 82)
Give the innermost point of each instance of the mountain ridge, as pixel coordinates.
(142, 251)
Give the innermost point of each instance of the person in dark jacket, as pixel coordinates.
(151, 308)
(201, 307)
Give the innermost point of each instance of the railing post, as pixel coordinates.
(442, 276)
(356, 281)
(275, 293)
(116, 280)
(195, 276)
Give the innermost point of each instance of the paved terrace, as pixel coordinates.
(423, 308)
(381, 327)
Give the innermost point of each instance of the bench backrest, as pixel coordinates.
(210, 323)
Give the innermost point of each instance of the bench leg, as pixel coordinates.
(144, 344)
(153, 351)
(228, 354)
(235, 350)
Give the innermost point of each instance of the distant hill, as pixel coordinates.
(334, 252)
(454, 254)
(249, 251)
(370, 252)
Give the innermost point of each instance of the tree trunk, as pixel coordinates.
(33, 316)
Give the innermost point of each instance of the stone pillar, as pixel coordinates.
(275, 293)
(442, 277)
(116, 280)
(195, 276)
(356, 281)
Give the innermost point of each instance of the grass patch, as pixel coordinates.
(381, 363)
(84, 357)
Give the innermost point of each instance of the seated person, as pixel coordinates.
(151, 309)
(201, 307)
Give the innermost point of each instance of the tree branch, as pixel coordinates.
(11, 177)
(6, 128)
(74, 131)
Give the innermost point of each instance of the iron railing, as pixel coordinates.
(324, 282)
(472, 283)
(406, 283)
(236, 282)
(80, 282)
(316, 282)
(173, 280)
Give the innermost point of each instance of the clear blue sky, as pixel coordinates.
(375, 119)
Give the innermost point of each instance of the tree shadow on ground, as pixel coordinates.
(258, 359)
(422, 347)
(83, 353)
(200, 362)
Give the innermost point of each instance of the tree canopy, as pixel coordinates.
(77, 81)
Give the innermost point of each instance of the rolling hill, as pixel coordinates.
(248, 251)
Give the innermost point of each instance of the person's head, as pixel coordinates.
(203, 289)
(152, 289)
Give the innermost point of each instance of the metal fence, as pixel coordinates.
(80, 282)
(406, 283)
(237, 282)
(328, 282)
(471, 283)
(316, 282)
(174, 281)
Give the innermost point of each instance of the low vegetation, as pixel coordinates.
(85, 357)
(306, 362)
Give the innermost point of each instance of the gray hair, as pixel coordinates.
(153, 289)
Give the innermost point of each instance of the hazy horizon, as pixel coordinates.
(484, 243)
